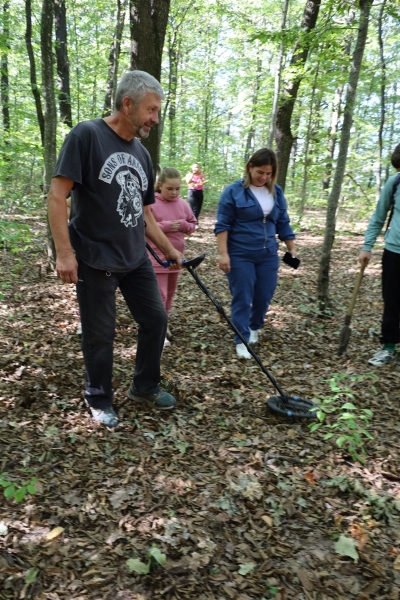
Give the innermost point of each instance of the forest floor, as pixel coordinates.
(244, 504)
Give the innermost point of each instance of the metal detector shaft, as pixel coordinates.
(221, 310)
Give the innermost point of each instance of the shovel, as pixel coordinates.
(346, 330)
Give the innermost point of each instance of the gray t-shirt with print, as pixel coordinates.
(113, 180)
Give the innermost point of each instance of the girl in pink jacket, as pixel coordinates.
(176, 219)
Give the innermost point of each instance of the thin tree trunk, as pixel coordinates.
(333, 200)
(383, 100)
(392, 125)
(283, 134)
(4, 72)
(254, 105)
(32, 68)
(278, 76)
(50, 111)
(307, 146)
(113, 59)
(64, 92)
(148, 23)
(336, 113)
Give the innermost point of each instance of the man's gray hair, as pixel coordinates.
(136, 84)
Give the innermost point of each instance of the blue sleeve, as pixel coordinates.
(283, 228)
(379, 216)
(225, 211)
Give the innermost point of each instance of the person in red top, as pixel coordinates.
(175, 219)
(195, 181)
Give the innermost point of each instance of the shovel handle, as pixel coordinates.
(355, 291)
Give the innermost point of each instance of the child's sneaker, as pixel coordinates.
(382, 357)
(242, 351)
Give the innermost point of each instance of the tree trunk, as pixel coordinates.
(283, 134)
(309, 136)
(336, 112)
(254, 105)
(32, 68)
(113, 59)
(64, 93)
(49, 104)
(333, 200)
(4, 72)
(148, 23)
(383, 101)
(278, 76)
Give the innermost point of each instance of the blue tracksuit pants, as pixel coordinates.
(252, 281)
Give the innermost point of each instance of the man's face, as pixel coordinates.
(145, 115)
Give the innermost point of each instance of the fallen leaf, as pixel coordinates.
(54, 534)
(346, 546)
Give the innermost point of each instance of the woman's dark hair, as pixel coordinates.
(166, 173)
(261, 158)
(395, 158)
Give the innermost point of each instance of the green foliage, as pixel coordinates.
(17, 490)
(155, 560)
(351, 424)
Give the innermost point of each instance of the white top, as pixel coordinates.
(264, 197)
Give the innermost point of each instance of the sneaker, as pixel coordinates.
(79, 329)
(107, 416)
(382, 357)
(242, 351)
(161, 400)
(253, 336)
(166, 343)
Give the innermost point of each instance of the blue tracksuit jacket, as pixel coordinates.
(240, 213)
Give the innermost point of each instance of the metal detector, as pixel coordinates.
(284, 404)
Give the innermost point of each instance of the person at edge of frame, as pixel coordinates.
(390, 327)
(109, 175)
(251, 213)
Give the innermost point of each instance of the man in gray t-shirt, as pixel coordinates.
(109, 175)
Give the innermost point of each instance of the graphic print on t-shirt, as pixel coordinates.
(129, 174)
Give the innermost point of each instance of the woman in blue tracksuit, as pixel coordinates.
(251, 213)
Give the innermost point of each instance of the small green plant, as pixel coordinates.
(12, 489)
(155, 560)
(350, 427)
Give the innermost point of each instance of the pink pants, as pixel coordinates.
(167, 282)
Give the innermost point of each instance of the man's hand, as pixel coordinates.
(67, 268)
(364, 257)
(175, 256)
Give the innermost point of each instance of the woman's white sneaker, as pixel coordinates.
(242, 351)
(253, 336)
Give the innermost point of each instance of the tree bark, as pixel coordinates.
(333, 200)
(49, 104)
(283, 134)
(148, 24)
(32, 68)
(64, 92)
(4, 72)
(254, 105)
(113, 59)
(278, 76)
(336, 111)
(383, 100)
